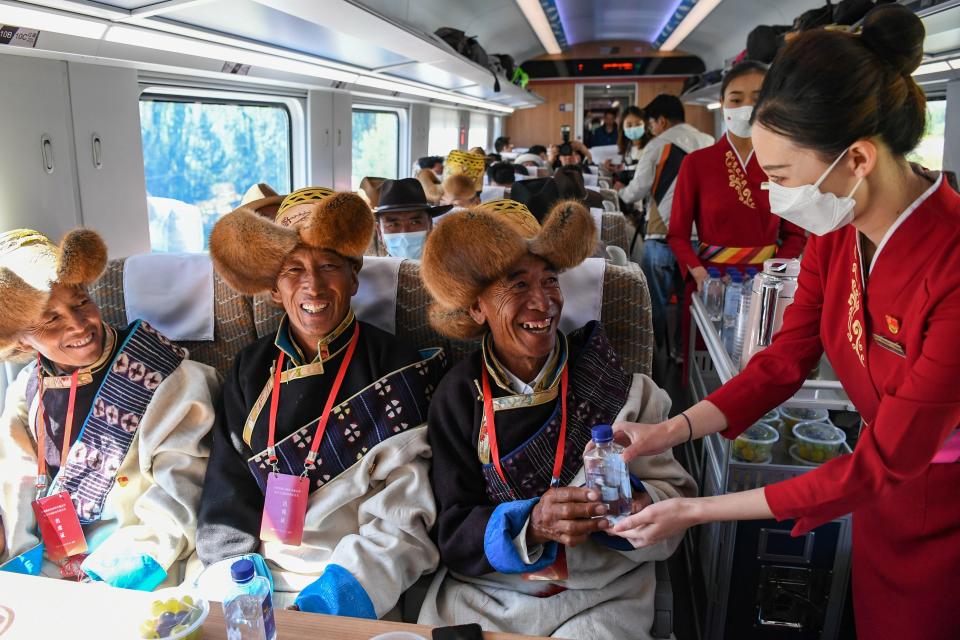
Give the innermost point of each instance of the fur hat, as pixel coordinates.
(30, 265)
(468, 164)
(248, 249)
(470, 250)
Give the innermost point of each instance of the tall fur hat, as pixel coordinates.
(248, 249)
(470, 250)
(30, 265)
(468, 164)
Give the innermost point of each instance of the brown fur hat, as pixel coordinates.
(248, 249)
(470, 250)
(30, 265)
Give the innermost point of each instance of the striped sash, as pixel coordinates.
(142, 362)
(736, 255)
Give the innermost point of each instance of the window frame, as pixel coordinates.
(403, 132)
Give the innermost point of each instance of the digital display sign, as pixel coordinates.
(640, 66)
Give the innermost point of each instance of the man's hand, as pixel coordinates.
(567, 515)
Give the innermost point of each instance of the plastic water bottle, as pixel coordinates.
(712, 295)
(248, 606)
(607, 473)
(743, 316)
(731, 307)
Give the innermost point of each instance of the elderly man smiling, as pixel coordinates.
(320, 461)
(508, 429)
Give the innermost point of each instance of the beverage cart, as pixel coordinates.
(753, 579)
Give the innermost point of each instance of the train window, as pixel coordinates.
(479, 127)
(444, 131)
(199, 158)
(376, 145)
(929, 153)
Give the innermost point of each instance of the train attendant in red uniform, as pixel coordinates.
(879, 291)
(718, 189)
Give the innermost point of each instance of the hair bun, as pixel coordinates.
(895, 34)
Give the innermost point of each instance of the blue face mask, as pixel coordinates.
(405, 245)
(633, 133)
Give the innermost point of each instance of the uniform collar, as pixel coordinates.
(547, 378)
(85, 375)
(327, 347)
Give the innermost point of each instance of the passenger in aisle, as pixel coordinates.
(607, 132)
(515, 526)
(405, 218)
(502, 145)
(879, 293)
(654, 182)
(330, 399)
(115, 417)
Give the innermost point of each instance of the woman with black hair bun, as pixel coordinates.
(718, 190)
(879, 292)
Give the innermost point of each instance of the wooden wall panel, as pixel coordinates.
(541, 124)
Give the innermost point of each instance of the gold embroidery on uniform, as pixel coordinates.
(738, 180)
(854, 326)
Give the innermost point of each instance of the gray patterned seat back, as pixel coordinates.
(233, 326)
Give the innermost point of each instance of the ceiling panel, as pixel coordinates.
(429, 74)
(590, 20)
(247, 19)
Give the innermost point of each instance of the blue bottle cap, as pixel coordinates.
(731, 271)
(736, 276)
(713, 272)
(751, 272)
(242, 570)
(602, 433)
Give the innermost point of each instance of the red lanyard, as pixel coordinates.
(324, 417)
(42, 429)
(492, 429)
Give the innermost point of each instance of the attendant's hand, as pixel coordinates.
(608, 165)
(700, 275)
(640, 439)
(567, 515)
(658, 522)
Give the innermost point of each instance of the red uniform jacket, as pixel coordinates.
(725, 201)
(892, 333)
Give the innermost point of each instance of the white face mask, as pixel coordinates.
(811, 209)
(738, 120)
(405, 245)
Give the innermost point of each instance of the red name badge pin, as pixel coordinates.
(284, 509)
(59, 526)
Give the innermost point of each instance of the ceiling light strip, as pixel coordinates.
(691, 21)
(537, 18)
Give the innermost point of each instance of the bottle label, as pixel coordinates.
(269, 624)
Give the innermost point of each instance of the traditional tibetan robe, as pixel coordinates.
(370, 508)
(137, 454)
(720, 193)
(890, 329)
(608, 590)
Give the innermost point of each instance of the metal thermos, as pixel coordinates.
(771, 293)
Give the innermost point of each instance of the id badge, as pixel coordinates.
(284, 509)
(557, 572)
(59, 526)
